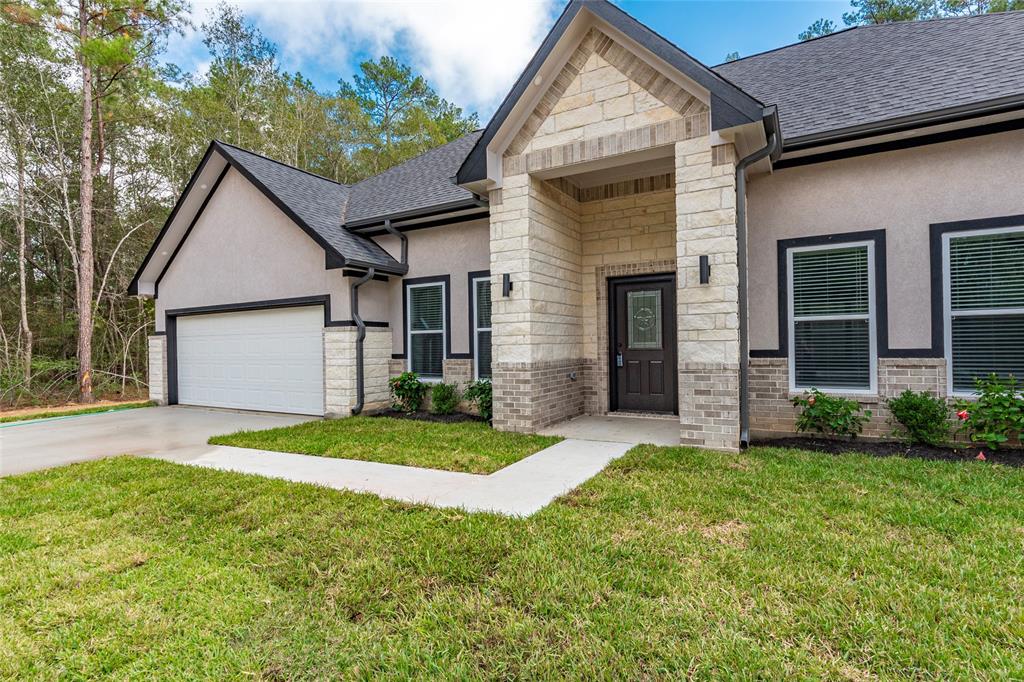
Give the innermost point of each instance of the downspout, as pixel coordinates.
(361, 325)
(741, 260)
(360, 337)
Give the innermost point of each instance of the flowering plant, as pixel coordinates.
(996, 414)
(830, 415)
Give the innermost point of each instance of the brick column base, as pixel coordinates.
(709, 399)
(158, 369)
(530, 396)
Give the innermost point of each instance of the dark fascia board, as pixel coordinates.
(730, 105)
(133, 287)
(903, 123)
(903, 143)
(188, 230)
(443, 221)
(377, 222)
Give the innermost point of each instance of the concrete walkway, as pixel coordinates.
(519, 489)
(620, 428)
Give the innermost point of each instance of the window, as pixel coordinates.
(832, 317)
(984, 305)
(643, 310)
(482, 326)
(427, 333)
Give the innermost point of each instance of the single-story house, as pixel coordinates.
(633, 231)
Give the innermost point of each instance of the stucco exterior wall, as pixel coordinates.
(242, 249)
(902, 192)
(454, 250)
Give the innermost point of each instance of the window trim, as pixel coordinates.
(443, 283)
(476, 323)
(872, 317)
(947, 295)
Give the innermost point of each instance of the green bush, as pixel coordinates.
(444, 398)
(996, 415)
(407, 391)
(920, 417)
(479, 393)
(830, 415)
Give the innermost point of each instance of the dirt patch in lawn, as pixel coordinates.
(1009, 457)
(423, 416)
(67, 407)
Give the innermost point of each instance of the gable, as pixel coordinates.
(244, 248)
(602, 89)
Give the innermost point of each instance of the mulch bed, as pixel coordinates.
(1009, 457)
(423, 416)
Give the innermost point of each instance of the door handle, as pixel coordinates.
(618, 359)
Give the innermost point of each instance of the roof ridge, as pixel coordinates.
(280, 163)
(868, 26)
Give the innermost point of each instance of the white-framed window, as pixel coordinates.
(983, 305)
(427, 333)
(482, 327)
(832, 337)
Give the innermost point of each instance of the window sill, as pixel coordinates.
(867, 398)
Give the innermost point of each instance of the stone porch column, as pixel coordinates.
(340, 370)
(708, 321)
(158, 369)
(537, 331)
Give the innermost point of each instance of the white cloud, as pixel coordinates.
(471, 51)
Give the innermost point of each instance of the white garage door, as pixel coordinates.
(270, 360)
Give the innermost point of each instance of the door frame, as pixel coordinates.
(613, 375)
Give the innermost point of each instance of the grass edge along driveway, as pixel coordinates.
(471, 447)
(672, 562)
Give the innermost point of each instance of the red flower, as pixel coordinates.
(981, 456)
(810, 401)
(963, 415)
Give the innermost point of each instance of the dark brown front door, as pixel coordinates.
(643, 352)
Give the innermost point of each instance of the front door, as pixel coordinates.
(643, 348)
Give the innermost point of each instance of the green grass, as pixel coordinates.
(472, 447)
(46, 414)
(672, 563)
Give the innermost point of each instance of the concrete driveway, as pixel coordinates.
(172, 432)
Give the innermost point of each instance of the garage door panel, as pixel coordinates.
(268, 360)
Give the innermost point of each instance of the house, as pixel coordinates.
(632, 231)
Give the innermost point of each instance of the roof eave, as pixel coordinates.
(904, 123)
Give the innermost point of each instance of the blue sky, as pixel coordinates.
(453, 42)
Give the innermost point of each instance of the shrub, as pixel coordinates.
(407, 391)
(444, 398)
(830, 415)
(996, 415)
(479, 393)
(921, 417)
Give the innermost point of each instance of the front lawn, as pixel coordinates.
(472, 447)
(672, 563)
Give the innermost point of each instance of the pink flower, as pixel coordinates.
(981, 456)
(963, 415)
(810, 401)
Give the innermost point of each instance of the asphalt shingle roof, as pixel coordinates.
(873, 73)
(419, 183)
(317, 202)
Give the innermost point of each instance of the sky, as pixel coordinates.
(471, 51)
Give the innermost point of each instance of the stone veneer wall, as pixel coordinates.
(628, 235)
(773, 416)
(708, 314)
(158, 385)
(340, 370)
(538, 330)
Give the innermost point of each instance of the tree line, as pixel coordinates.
(98, 136)
(866, 12)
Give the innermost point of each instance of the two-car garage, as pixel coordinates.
(269, 359)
